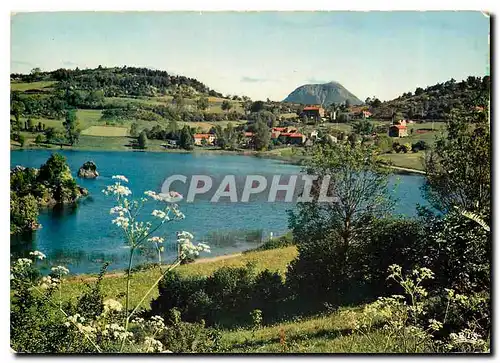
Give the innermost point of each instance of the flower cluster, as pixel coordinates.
(152, 345)
(120, 177)
(49, 282)
(118, 190)
(170, 197)
(112, 305)
(187, 248)
(77, 320)
(116, 331)
(59, 270)
(38, 254)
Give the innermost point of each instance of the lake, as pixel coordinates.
(82, 237)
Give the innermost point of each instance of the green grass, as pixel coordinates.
(22, 87)
(275, 260)
(106, 131)
(328, 333)
(409, 160)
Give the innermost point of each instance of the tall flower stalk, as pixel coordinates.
(138, 235)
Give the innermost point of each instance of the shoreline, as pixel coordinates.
(253, 153)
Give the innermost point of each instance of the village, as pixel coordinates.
(315, 123)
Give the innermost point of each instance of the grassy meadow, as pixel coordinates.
(274, 260)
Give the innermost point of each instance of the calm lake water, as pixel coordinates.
(83, 237)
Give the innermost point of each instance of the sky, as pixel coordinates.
(264, 54)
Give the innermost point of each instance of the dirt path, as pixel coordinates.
(416, 171)
(85, 278)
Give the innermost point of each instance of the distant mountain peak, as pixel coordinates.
(323, 94)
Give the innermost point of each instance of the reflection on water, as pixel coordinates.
(221, 242)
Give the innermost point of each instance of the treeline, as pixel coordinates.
(117, 81)
(436, 102)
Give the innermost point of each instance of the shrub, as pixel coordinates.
(315, 275)
(273, 243)
(383, 143)
(225, 298)
(182, 337)
(419, 145)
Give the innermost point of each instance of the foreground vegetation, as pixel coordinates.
(354, 277)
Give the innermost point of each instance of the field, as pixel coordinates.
(409, 160)
(22, 87)
(275, 260)
(105, 131)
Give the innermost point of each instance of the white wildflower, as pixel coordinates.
(38, 255)
(117, 189)
(204, 247)
(23, 262)
(60, 270)
(159, 214)
(121, 222)
(112, 305)
(120, 177)
(152, 345)
(118, 210)
(185, 234)
(152, 194)
(156, 239)
(171, 197)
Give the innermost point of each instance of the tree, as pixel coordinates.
(375, 102)
(173, 127)
(17, 110)
(31, 125)
(397, 116)
(186, 140)
(71, 125)
(178, 101)
(359, 185)
(134, 129)
(202, 103)
(38, 139)
(21, 140)
(257, 106)
(363, 127)
(142, 140)
(261, 136)
(228, 137)
(343, 117)
(49, 134)
(457, 168)
(247, 104)
(23, 213)
(226, 105)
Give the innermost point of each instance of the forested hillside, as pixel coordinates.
(435, 102)
(49, 94)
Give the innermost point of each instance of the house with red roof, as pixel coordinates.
(314, 112)
(292, 138)
(209, 139)
(399, 129)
